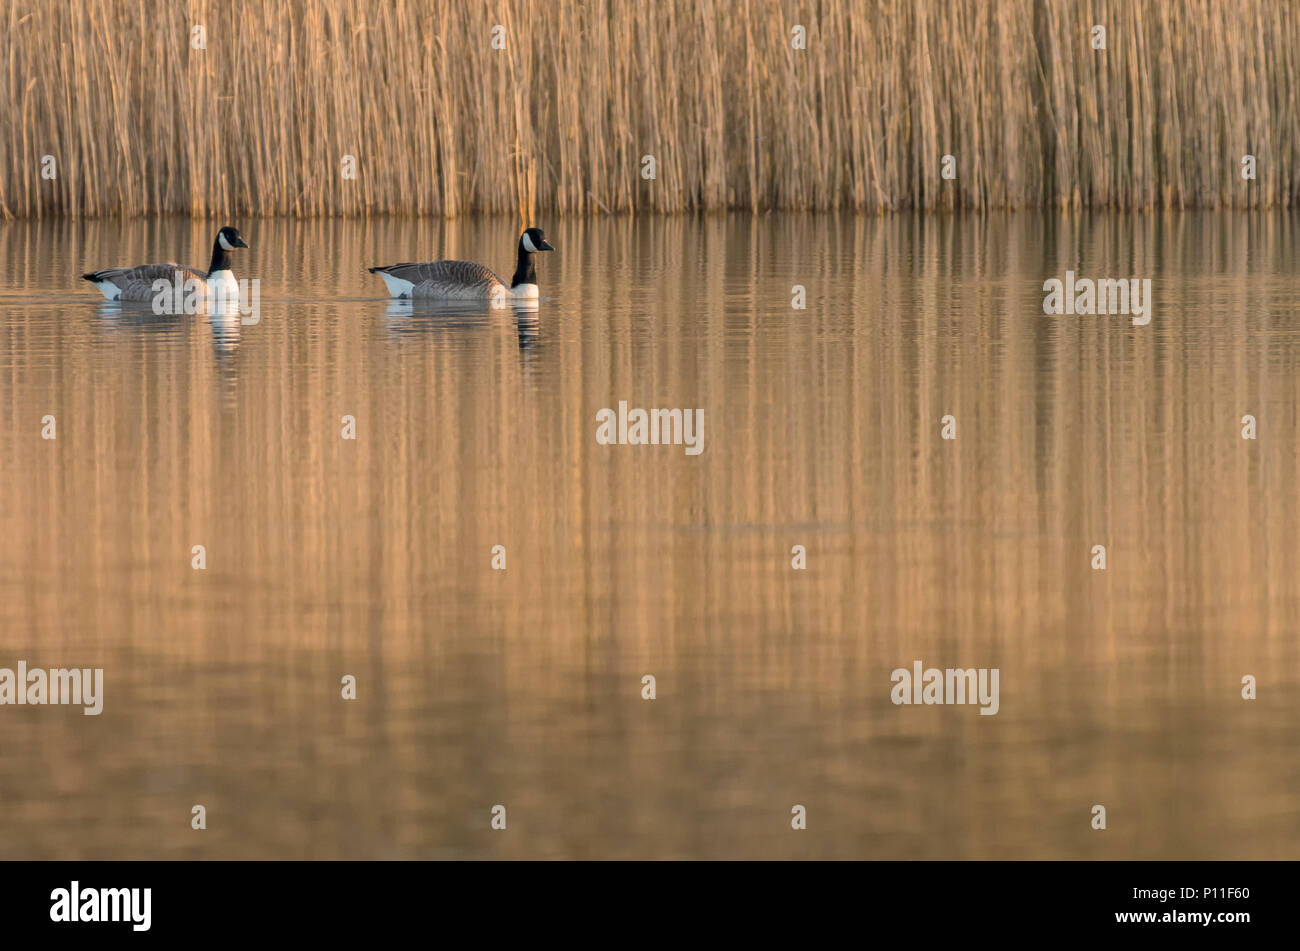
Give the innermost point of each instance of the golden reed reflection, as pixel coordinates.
(372, 556)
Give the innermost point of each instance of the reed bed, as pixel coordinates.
(558, 121)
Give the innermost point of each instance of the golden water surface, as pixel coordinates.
(372, 557)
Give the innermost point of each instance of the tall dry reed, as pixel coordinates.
(442, 123)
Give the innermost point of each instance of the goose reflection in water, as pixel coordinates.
(224, 319)
(405, 316)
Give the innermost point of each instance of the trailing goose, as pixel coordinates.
(465, 280)
(136, 283)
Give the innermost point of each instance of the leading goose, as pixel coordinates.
(137, 283)
(465, 280)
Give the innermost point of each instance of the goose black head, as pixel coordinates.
(534, 240)
(229, 238)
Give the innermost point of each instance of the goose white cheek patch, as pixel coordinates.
(528, 243)
(224, 243)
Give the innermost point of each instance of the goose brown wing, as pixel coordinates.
(137, 283)
(443, 273)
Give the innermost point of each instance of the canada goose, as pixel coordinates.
(136, 283)
(465, 280)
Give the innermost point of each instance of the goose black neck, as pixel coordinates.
(220, 258)
(525, 273)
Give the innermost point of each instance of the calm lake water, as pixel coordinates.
(476, 687)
